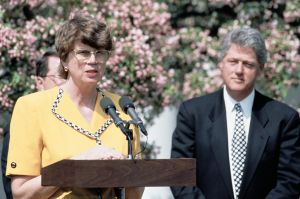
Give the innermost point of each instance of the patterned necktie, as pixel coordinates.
(238, 150)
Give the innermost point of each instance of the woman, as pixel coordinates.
(67, 121)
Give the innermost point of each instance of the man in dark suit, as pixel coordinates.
(246, 145)
(47, 70)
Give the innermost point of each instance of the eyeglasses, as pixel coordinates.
(51, 76)
(56, 79)
(100, 55)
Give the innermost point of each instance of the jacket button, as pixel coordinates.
(13, 165)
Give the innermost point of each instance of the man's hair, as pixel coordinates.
(245, 37)
(83, 28)
(42, 64)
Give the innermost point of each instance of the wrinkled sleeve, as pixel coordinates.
(183, 146)
(288, 171)
(25, 146)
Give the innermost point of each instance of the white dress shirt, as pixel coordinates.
(246, 105)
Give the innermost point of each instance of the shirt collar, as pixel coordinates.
(246, 103)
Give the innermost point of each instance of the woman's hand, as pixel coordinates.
(100, 152)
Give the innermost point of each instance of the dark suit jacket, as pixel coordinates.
(6, 180)
(272, 168)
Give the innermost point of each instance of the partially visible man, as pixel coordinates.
(47, 71)
(47, 76)
(246, 145)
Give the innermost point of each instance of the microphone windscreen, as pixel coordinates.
(125, 102)
(106, 103)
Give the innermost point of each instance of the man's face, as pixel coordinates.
(240, 70)
(52, 78)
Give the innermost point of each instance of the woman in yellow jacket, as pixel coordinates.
(67, 122)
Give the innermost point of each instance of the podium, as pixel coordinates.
(120, 173)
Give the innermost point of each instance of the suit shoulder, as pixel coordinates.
(280, 107)
(274, 106)
(204, 100)
(204, 103)
(38, 98)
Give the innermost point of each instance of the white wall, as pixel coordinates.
(161, 132)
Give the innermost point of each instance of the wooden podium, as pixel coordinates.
(120, 173)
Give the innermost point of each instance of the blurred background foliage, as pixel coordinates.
(166, 50)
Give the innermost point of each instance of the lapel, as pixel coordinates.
(218, 141)
(257, 140)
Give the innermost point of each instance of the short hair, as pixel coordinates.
(88, 30)
(42, 64)
(245, 37)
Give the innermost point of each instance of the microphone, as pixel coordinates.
(108, 106)
(128, 107)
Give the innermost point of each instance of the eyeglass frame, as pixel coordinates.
(90, 54)
(53, 76)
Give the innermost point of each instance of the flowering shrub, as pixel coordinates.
(165, 51)
(141, 31)
(201, 25)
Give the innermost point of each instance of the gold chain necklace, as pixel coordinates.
(74, 126)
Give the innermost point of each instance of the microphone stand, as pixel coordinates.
(119, 191)
(129, 138)
(128, 133)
